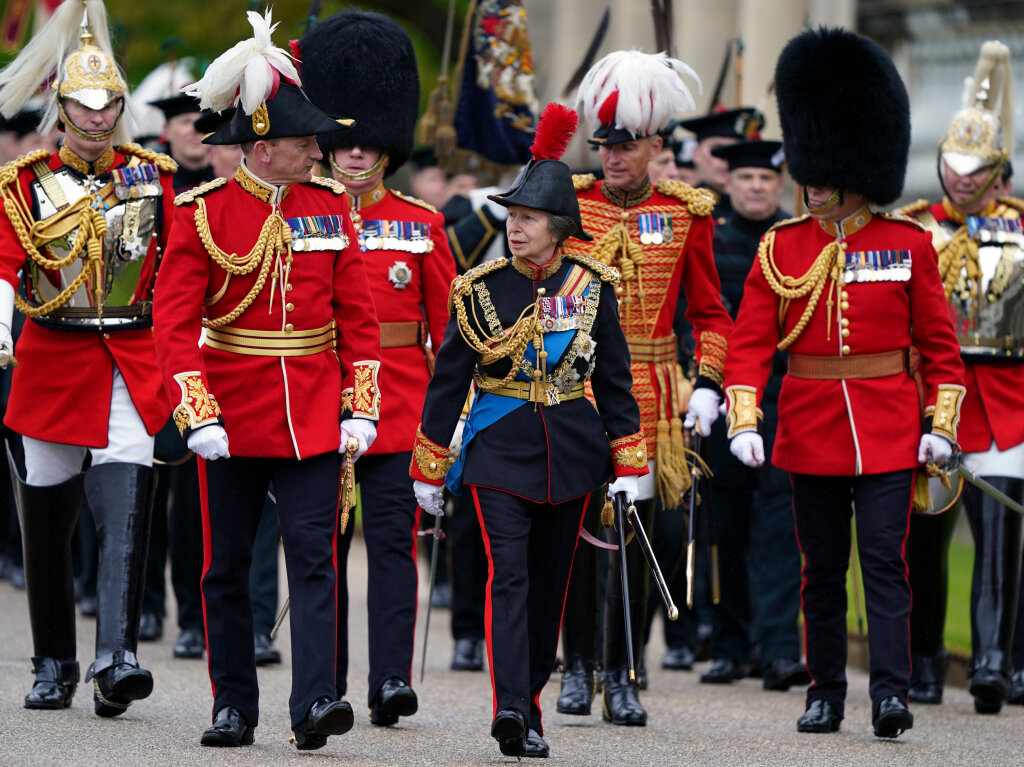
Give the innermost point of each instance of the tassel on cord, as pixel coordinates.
(922, 493)
(608, 513)
(437, 124)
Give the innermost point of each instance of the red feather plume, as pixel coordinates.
(555, 128)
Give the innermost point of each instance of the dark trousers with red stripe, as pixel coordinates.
(822, 507)
(233, 491)
(530, 548)
(390, 522)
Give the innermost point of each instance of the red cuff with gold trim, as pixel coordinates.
(430, 461)
(198, 407)
(629, 455)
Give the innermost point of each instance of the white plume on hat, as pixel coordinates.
(42, 59)
(247, 73)
(991, 87)
(647, 86)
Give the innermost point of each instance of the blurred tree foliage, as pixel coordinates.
(144, 30)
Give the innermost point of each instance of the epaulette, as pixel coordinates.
(700, 201)
(607, 273)
(328, 183)
(788, 222)
(901, 219)
(912, 208)
(461, 284)
(186, 198)
(9, 172)
(583, 181)
(414, 200)
(1013, 202)
(162, 161)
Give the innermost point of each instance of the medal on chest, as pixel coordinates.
(405, 236)
(317, 233)
(877, 266)
(654, 228)
(400, 274)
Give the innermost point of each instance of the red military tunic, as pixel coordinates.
(60, 391)
(848, 426)
(659, 238)
(993, 408)
(410, 269)
(280, 404)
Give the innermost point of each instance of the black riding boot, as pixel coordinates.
(121, 498)
(48, 516)
(997, 561)
(621, 702)
(579, 623)
(928, 565)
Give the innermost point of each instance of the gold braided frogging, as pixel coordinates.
(958, 253)
(274, 240)
(90, 224)
(825, 267)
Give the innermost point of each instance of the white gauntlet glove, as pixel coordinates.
(702, 410)
(935, 447)
(428, 497)
(748, 446)
(630, 485)
(6, 317)
(209, 442)
(364, 432)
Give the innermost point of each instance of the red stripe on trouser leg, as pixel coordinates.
(487, 604)
(207, 556)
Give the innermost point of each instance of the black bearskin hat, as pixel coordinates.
(362, 65)
(845, 114)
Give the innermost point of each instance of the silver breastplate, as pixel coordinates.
(110, 298)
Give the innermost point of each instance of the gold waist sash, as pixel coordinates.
(272, 343)
(533, 391)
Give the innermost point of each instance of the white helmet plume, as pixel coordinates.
(635, 91)
(248, 73)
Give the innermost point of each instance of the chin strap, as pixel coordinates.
(836, 198)
(362, 175)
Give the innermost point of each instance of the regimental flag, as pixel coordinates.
(497, 109)
(16, 19)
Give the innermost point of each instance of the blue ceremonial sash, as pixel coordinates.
(489, 408)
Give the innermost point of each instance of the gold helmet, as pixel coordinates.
(75, 46)
(980, 135)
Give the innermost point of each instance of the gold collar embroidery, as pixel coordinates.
(372, 197)
(101, 165)
(538, 272)
(259, 188)
(628, 198)
(847, 226)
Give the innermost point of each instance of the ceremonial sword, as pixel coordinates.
(430, 597)
(954, 464)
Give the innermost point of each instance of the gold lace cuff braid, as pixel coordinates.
(430, 461)
(946, 416)
(743, 410)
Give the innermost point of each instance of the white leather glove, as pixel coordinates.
(935, 447)
(748, 446)
(630, 485)
(702, 410)
(428, 496)
(6, 317)
(364, 432)
(209, 442)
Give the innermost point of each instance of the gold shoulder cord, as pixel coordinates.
(274, 240)
(32, 235)
(812, 282)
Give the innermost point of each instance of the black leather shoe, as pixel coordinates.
(266, 653)
(325, 717)
(783, 673)
(820, 716)
(893, 718)
(678, 658)
(1015, 695)
(55, 683)
(536, 746)
(621, 702)
(509, 729)
(394, 699)
(151, 627)
(229, 729)
(989, 688)
(724, 671)
(468, 655)
(116, 687)
(191, 644)
(927, 677)
(577, 691)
